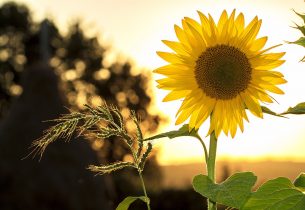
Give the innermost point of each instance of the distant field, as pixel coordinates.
(180, 176)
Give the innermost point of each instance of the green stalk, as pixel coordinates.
(147, 201)
(144, 190)
(211, 165)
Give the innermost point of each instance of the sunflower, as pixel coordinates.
(219, 70)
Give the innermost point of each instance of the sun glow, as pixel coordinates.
(136, 28)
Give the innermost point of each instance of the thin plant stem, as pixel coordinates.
(144, 190)
(147, 201)
(211, 166)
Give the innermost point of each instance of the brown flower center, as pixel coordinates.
(222, 72)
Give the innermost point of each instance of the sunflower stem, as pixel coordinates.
(211, 166)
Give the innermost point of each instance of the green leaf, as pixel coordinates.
(233, 192)
(276, 194)
(183, 131)
(300, 182)
(124, 205)
(269, 111)
(298, 109)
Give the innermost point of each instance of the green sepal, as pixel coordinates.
(300, 15)
(183, 131)
(233, 192)
(300, 28)
(298, 109)
(124, 205)
(300, 41)
(276, 194)
(269, 111)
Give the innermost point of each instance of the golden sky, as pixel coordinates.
(135, 29)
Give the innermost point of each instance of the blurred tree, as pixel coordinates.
(85, 79)
(15, 24)
(77, 60)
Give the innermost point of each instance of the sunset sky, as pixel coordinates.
(135, 28)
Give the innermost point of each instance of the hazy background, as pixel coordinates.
(135, 28)
(57, 54)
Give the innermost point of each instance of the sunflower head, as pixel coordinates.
(219, 70)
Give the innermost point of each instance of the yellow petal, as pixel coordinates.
(250, 35)
(266, 73)
(175, 58)
(182, 38)
(175, 82)
(259, 94)
(258, 44)
(227, 32)
(194, 116)
(173, 69)
(272, 56)
(184, 115)
(270, 48)
(205, 111)
(194, 97)
(205, 25)
(176, 46)
(252, 104)
(268, 64)
(239, 113)
(206, 30)
(194, 24)
(240, 23)
(222, 21)
(272, 88)
(175, 94)
(267, 79)
(213, 28)
(190, 38)
(217, 117)
(231, 21)
(233, 128)
(200, 43)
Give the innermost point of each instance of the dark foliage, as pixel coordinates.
(175, 199)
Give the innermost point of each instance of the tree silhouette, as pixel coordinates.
(77, 62)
